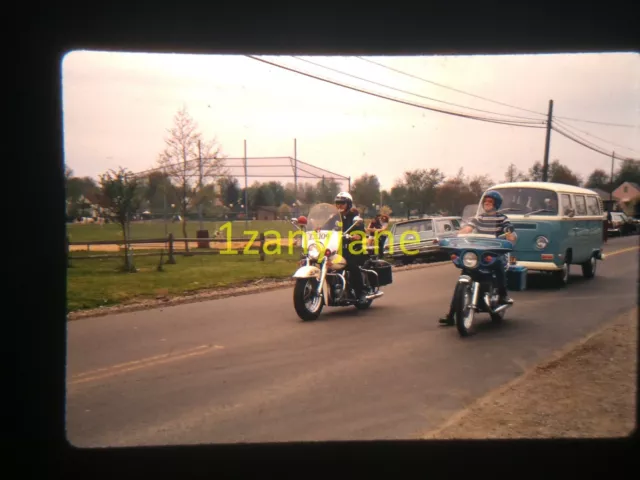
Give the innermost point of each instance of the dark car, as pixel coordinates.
(421, 235)
(621, 224)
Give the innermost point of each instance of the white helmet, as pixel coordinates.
(344, 197)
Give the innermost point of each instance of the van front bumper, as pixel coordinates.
(539, 266)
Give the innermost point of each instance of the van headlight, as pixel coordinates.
(541, 243)
(470, 260)
(313, 252)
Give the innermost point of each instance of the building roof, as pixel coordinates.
(604, 195)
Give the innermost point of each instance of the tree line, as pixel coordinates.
(417, 191)
(190, 179)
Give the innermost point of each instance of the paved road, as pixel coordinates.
(245, 369)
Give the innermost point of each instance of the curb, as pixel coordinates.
(554, 359)
(207, 295)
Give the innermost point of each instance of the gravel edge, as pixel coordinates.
(248, 288)
(497, 402)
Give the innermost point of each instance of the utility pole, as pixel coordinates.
(164, 200)
(545, 165)
(200, 185)
(246, 187)
(613, 156)
(295, 168)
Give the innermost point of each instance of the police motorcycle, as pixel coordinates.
(322, 279)
(476, 290)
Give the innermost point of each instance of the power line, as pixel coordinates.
(488, 99)
(411, 93)
(595, 136)
(585, 144)
(433, 109)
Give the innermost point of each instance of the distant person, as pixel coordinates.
(384, 220)
(374, 226)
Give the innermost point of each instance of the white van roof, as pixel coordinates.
(556, 187)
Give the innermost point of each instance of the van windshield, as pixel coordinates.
(525, 200)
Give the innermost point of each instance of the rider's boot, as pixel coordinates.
(447, 320)
(504, 298)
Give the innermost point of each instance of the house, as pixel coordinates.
(626, 195)
(266, 213)
(626, 192)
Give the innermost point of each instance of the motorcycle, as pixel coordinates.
(322, 279)
(476, 290)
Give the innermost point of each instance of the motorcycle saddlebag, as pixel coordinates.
(384, 271)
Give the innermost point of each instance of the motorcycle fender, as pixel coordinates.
(464, 279)
(307, 271)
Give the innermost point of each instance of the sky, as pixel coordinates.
(117, 108)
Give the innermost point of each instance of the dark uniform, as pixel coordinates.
(354, 261)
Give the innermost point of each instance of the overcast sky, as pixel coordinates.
(118, 106)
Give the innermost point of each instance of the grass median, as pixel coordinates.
(92, 283)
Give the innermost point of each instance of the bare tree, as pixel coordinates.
(121, 195)
(514, 175)
(188, 160)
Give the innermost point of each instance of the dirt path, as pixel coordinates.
(587, 390)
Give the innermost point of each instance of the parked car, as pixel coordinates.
(422, 235)
(621, 224)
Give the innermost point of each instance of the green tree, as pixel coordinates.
(366, 191)
(121, 196)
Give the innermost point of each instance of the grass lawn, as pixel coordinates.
(156, 229)
(98, 282)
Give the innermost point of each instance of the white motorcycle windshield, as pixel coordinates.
(323, 227)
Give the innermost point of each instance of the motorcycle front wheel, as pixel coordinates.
(306, 301)
(463, 312)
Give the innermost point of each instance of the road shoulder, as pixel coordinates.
(586, 390)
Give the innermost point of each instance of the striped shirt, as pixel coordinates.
(491, 224)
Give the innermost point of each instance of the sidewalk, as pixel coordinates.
(587, 390)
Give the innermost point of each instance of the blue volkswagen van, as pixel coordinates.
(558, 226)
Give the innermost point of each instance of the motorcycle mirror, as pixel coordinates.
(302, 220)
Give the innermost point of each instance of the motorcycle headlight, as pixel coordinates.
(541, 243)
(470, 260)
(313, 252)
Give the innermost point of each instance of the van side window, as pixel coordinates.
(593, 207)
(567, 206)
(581, 205)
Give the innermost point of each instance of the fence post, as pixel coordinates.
(171, 260)
(261, 247)
(67, 248)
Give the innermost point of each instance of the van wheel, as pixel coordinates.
(589, 267)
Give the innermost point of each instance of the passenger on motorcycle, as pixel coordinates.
(347, 212)
(493, 223)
